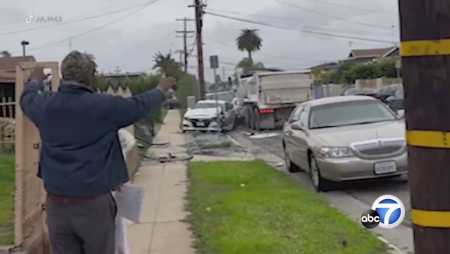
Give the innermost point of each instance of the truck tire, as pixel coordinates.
(247, 117)
(256, 120)
(251, 118)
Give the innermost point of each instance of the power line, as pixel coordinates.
(307, 25)
(346, 6)
(274, 56)
(97, 28)
(331, 16)
(300, 30)
(229, 62)
(73, 21)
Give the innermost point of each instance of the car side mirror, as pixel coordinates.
(297, 126)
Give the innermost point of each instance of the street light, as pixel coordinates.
(24, 44)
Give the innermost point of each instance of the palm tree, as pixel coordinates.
(249, 41)
(5, 53)
(167, 65)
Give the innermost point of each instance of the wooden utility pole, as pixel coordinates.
(198, 6)
(425, 51)
(185, 33)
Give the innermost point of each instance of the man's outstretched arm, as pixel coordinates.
(122, 112)
(31, 101)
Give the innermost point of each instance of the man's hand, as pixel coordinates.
(37, 74)
(166, 84)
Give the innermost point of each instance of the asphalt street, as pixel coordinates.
(365, 191)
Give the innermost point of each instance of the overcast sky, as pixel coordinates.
(131, 42)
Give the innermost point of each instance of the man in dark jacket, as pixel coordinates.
(81, 160)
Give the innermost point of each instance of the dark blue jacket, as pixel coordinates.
(80, 152)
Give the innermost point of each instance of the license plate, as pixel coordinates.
(200, 124)
(385, 167)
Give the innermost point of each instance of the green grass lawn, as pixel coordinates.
(7, 185)
(249, 208)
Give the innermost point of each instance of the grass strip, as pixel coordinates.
(247, 207)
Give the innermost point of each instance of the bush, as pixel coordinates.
(187, 86)
(347, 73)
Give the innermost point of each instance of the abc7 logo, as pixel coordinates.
(370, 219)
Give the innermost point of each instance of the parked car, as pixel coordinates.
(388, 91)
(222, 96)
(344, 138)
(171, 103)
(206, 115)
(396, 102)
(360, 91)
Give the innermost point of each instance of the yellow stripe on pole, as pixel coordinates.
(430, 139)
(425, 48)
(431, 219)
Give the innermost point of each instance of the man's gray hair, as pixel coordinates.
(80, 67)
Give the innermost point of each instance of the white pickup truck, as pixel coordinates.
(267, 98)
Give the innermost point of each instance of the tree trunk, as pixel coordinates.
(250, 56)
(427, 115)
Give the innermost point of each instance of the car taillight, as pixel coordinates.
(266, 111)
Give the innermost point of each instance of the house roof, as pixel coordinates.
(378, 52)
(9, 63)
(325, 65)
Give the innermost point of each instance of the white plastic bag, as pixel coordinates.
(126, 142)
(121, 236)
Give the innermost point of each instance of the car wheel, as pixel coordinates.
(319, 183)
(291, 167)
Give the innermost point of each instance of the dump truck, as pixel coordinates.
(266, 99)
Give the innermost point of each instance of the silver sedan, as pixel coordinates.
(345, 138)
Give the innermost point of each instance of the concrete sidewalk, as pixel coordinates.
(161, 230)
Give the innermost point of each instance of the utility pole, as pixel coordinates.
(223, 74)
(426, 60)
(198, 6)
(185, 33)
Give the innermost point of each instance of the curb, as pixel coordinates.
(393, 248)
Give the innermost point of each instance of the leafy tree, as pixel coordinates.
(187, 87)
(248, 64)
(321, 77)
(249, 41)
(167, 65)
(100, 82)
(387, 69)
(337, 76)
(5, 53)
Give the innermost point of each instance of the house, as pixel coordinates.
(8, 74)
(371, 55)
(8, 80)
